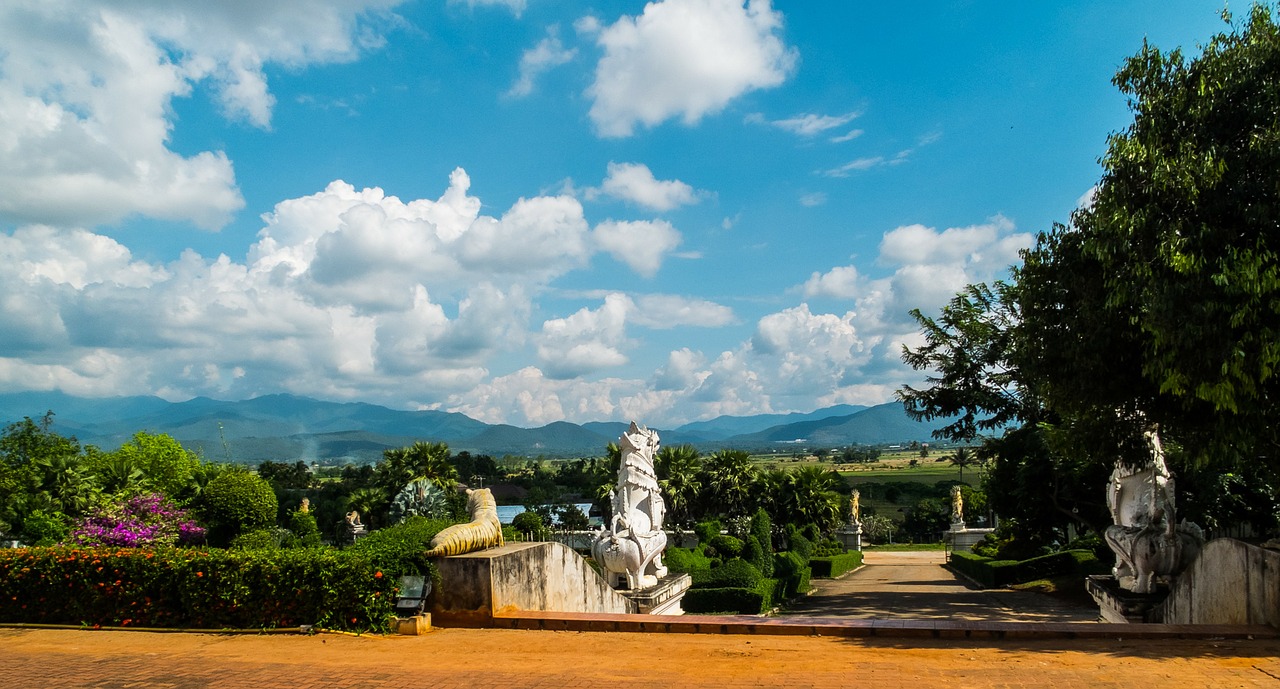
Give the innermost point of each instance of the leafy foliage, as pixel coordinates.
(202, 589)
(237, 502)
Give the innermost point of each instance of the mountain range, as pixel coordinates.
(288, 428)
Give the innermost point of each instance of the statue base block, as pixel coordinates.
(962, 538)
(850, 536)
(1116, 604)
(662, 598)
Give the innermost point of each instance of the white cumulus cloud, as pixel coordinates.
(686, 59)
(634, 182)
(640, 244)
(86, 89)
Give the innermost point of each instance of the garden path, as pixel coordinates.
(915, 585)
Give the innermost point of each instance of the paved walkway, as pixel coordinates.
(914, 585)
(471, 658)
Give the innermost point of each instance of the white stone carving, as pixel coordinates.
(630, 549)
(1148, 542)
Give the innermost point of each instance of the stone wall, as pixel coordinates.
(1231, 582)
(520, 576)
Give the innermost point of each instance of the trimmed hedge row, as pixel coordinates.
(352, 589)
(755, 600)
(831, 566)
(998, 573)
(188, 588)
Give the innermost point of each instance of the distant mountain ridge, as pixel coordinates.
(286, 427)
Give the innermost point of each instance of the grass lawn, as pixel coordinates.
(904, 547)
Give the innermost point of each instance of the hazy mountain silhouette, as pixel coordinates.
(289, 427)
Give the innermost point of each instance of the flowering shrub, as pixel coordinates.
(141, 521)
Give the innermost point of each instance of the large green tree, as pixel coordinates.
(1158, 304)
(1184, 233)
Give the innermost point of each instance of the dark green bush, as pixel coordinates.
(682, 560)
(762, 532)
(707, 530)
(306, 532)
(237, 502)
(989, 572)
(258, 539)
(726, 547)
(530, 526)
(798, 543)
(736, 601)
(399, 549)
(731, 574)
(787, 564)
(831, 566)
(189, 588)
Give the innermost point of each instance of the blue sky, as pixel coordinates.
(533, 210)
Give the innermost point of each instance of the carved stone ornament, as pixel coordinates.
(1148, 542)
(630, 548)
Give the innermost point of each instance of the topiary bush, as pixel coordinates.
(306, 532)
(726, 547)
(681, 560)
(237, 502)
(831, 566)
(731, 574)
(762, 532)
(705, 531)
(261, 539)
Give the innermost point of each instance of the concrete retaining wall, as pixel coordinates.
(520, 576)
(1231, 582)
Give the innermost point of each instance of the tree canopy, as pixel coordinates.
(1157, 304)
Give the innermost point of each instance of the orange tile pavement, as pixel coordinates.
(473, 658)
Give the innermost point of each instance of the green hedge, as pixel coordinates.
(831, 566)
(683, 560)
(756, 600)
(351, 589)
(731, 574)
(997, 573)
(189, 588)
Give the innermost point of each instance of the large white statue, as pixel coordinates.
(957, 506)
(1148, 542)
(630, 550)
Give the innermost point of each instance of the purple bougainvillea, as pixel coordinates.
(137, 522)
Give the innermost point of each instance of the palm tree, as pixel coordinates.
(401, 465)
(814, 497)
(677, 469)
(962, 458)
(728, 479)
(370, 502)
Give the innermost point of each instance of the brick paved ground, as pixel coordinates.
(914, 585)
(514, 658)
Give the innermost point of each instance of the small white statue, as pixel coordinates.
(630, 550)
(1145, 537)
(855, 509)
(957, 506)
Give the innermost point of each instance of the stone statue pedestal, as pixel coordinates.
(1119, 605)
(850, 536)
(961, 537)
(662, 598)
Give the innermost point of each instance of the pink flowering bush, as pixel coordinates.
(141, 521)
